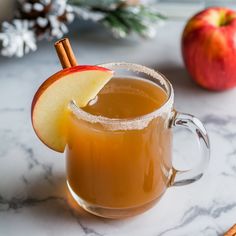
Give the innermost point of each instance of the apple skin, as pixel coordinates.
(60, 74)
(48, 82)
(209, 48)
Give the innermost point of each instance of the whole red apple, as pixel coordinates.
(209, 48)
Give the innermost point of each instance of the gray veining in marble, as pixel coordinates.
(33, 195)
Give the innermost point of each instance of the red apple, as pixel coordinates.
(209, 48)
(49, 106)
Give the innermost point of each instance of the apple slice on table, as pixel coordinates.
(49, 106)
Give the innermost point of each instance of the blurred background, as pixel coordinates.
(170, 8)
(186, 8)
(25, 22)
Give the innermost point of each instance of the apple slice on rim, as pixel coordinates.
(49, 105)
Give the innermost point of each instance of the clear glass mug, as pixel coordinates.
(121, 167)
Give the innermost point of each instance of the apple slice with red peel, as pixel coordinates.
(49, 106)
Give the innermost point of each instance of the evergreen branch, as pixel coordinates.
(101, 4)
(121, 18)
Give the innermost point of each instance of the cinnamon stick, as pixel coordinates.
(65, 53)
(231, 231)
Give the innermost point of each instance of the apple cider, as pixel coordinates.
(116, 132)
(120, 167)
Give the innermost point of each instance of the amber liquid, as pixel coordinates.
(120, 168)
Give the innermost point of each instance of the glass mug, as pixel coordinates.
(121, 167)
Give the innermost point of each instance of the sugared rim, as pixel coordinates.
(129, 123)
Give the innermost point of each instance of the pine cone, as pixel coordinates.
(17, 38)
(49, 16)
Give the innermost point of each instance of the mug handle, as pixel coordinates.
(183, 177)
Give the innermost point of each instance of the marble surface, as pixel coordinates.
(33, 195)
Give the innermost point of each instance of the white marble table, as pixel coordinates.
(33, 195)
